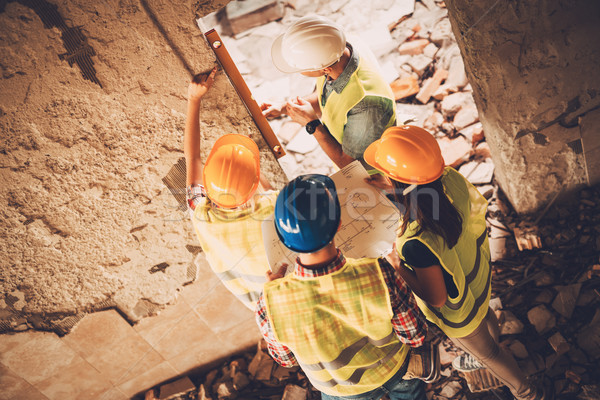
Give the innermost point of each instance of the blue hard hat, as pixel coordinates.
(307, 213)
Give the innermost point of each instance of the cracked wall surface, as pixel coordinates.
(534, 71)
(85, 216)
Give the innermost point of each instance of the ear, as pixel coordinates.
(327, 70)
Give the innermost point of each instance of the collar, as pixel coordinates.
(335, 265)
(340, 83)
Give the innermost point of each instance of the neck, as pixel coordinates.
(338, 67)
(319, 258)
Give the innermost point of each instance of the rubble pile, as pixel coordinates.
(545, 268)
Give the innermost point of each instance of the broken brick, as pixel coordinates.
(518, 349)
(431, 85)
(413, 47)
(180, 387)
(405, 87)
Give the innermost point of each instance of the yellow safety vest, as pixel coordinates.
(365, 81)
(468, 261)
(233, 243)
(338, 326)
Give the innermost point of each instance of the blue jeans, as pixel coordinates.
(396, 388)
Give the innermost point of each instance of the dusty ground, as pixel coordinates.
(84, 213)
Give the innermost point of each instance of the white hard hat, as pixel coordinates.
(309, 44)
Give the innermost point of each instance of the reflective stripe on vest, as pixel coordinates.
(338, 326)
(468, 261)
(365, 81)
(233, 244)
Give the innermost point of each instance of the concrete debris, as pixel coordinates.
(541, 318)
(473, 133)
(478, 172)
(451, 389)
(430, 50)
(442, 32)
(419, 63)
(466, 116)
(453, 103)
(455, 151)
(457, 78)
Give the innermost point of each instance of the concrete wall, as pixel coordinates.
(534, 71)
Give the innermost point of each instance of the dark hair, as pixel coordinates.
(442, 219)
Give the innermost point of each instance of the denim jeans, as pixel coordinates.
(396, 388)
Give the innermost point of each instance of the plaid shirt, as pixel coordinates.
(408, 322)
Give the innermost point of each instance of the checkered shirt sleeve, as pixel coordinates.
(409, 323)
(194, 193)
(278, 351)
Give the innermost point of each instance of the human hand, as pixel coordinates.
(300, 110)
(271, 111)
(380, 182)
(393, 258)
(200, 84)
(271, 276)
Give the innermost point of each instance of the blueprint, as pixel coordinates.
(369, 221)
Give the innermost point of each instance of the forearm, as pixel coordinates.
(332, 147)
(411, 280)
(192, 142)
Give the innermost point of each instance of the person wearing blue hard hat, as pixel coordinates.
(348, 323)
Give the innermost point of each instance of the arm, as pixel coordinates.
(302, 112)
(427, 283)
(191, 140)
(408, 321)
(278, 351)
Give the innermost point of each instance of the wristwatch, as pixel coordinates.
(312, 126)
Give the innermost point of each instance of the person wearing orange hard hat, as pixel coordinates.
(353, 103)
(227, 212)
(442, 250)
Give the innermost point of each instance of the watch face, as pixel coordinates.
(312, 126)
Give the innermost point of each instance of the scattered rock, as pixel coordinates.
(558, 343)
(175, 390)
(419, 63)
(478, 172)
(565, 300)
(509, 324)
(541, 318)
(431, 85)
(466, 116)
(405, 87)
(454, 102)
(518, 349)
(413, 47)
(455, 151)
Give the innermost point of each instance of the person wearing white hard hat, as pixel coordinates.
(352, 104)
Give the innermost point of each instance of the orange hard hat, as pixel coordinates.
(407, 154)
(232, 171)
